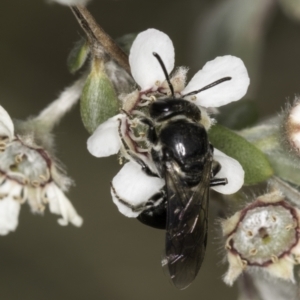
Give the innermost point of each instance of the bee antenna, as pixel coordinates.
(165, 72)
(208, 86)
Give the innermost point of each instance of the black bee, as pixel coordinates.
(183, 156)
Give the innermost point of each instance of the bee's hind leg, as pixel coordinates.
(216, 167)
(156, 215)
(218, 181)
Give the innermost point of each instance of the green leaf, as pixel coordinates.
(98, 101)
(78, 55)
(255, 164)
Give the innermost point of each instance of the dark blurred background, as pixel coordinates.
(112, 257)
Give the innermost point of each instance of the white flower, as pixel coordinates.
(149, 75)
(263, 236)
(29, 173)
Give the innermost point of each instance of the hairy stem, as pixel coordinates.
(53, 113)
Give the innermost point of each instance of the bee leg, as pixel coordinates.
(143, 165)
(156, 215)
(218, 181)
(153, 212)
(134, 208)
(216, 167)
(145, 168)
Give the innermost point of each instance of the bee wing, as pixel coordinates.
(186, 225)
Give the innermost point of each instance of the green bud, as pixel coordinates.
(285, 167)
(272, 140)
(98, 100)
(255, 164)
(78, 55)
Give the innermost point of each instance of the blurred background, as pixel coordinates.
(112, 257)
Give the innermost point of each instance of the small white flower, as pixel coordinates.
(264, 236)
(29, 173)
(149, 75)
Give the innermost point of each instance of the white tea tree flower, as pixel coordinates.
(263, 236)
(221, 81)
(28, 171)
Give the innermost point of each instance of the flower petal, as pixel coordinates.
(145, 68)
(225, 92)
(9, 214)
(9, 205)
(105, 141)
(230, 169)
(6, 124)
(59, 204)
(235, 268)
(132, 185)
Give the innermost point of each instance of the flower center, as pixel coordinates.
(24, 164)
(264, 234)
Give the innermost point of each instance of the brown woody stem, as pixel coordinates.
(97, 36)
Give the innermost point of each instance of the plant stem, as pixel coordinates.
(97, 36)
(290, 192)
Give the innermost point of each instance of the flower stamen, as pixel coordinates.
(253, 251)
(274, 258)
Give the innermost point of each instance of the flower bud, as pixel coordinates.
(78, 55)
(98, 101)
(263, 235)
(292, 127)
